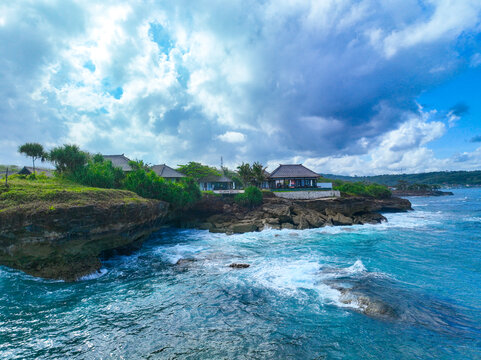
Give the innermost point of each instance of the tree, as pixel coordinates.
(258, 173)
(33, 150)
(68, 158)
(245, 173)
(197, 170)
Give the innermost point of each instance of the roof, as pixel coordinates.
(214, 178)
(166, 171)
(27, 170)
(119, 161)
(293, 171)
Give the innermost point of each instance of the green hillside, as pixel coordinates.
(446, 178)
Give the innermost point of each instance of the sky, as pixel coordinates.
(353, 87)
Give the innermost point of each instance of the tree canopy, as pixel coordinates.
(33, 150)
(197, 170)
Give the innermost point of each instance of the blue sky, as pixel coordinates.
(343, 86)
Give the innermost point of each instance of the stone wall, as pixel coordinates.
(307, 195)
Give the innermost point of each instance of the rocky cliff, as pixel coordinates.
(221, 214)
(67, 241)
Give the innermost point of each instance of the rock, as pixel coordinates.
(243, 228)
(185, 261)
(225, 216)
(340, 219)
(68, 243)
(239, 266)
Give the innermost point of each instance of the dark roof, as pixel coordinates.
(119, 161)
(214, 178)
(166, 171)
(293, 171)
(27, 170)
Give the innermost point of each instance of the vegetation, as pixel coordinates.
(405, 186)
(68, 159)
(197, 170)
(252, 175)
(11, 168)
(33, 150)
(251, 197)
(147, 183)
(99, 173)
(363, 189)
(447, 178)
(74, 166)
(51, 193)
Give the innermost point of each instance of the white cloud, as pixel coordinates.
(449, 19)
(289, 79)
(232, 137)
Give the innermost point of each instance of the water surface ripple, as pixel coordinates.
(406, 289)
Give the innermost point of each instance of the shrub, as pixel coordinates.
(251, 197)
(68, 159)
(361, 189)
(147, 184)
(99, 173)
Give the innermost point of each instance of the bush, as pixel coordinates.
(361, 189)
(147, 184)
(68, 159)
(251, 197)
(99, 173)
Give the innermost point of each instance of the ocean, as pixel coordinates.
(409, 288)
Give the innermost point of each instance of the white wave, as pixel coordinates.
(173, 254)
(94, 275)
(293, 278)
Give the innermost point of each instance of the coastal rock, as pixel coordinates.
(278, 213)
(243, 228)
(68, 242)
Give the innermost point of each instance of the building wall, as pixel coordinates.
(306, 195)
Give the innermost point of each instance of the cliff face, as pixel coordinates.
(218, 214)
(66, 242)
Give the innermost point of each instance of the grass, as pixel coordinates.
(52, 193)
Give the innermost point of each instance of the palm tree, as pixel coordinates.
(258, 173)
(245, 173)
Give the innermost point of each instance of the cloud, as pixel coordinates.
(401, 150)
(232, 137)
(170, 82)
(456, 112)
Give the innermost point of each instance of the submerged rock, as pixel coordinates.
(239, 266)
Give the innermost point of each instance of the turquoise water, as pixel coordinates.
(424, 266)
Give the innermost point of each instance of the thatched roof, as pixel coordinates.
(293, 171)
(27, 170)
(166, 172)
(120, 161)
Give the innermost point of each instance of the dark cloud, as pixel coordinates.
(459, 109)
(308, 78)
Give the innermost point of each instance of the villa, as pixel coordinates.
(167, 172)
(292, 177)
(211, 183)
(120, 161)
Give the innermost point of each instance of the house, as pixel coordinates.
(167, 172)
(292, 176)
(120, 161)
(213, 182)
(27, 170)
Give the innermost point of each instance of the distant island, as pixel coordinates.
(443, 178)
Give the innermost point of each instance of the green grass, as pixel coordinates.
(54, 193)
